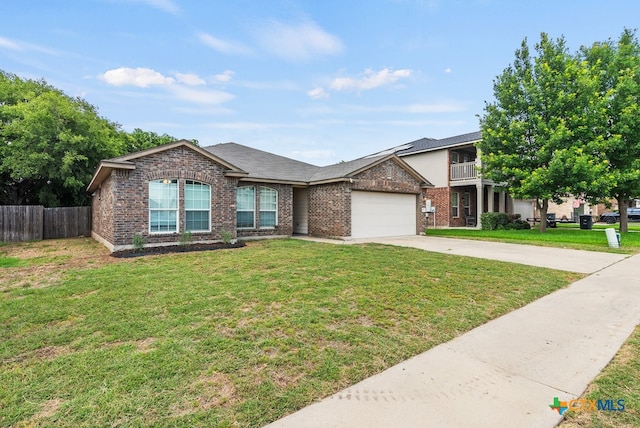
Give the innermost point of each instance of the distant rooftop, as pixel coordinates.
(429, 144)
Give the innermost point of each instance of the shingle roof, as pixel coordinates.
(268, 166)
(262, 164)
(343, 169)
(429, 144)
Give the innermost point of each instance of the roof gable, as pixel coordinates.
(346, 170)
(127, 161)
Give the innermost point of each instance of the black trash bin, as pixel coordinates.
(586, 222)
(551, 220)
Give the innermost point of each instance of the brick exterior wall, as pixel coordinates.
(441, 200)
(461, 221)
(330, 204)
(330, 210)
(129, 196)
(285, 211)
(387, 177)
(102, 211)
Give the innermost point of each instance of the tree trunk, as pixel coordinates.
(622, 209)
(542, 208)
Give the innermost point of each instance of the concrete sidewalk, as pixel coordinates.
(503, 373)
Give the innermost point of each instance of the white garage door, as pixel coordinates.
(376, 214)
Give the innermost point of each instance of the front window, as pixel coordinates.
(455, 204)
(268, 207)
(163, 206)
(246, 206)
(197, 206)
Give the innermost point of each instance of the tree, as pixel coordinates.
(619, 65)
(140, 140)
(49, 143)
(537, 136)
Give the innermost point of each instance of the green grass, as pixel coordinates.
(231, 338)
(11, 262)
(563, 237)
(619, 380)
(632, 226)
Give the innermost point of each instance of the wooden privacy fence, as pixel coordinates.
(34, 222)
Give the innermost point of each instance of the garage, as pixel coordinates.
(377, 214)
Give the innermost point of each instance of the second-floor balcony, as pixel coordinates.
(463, 171)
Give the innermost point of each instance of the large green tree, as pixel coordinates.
(537, 136)
(139, 140)
(50, 143)
(619, 66)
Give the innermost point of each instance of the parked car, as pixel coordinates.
(633, 214)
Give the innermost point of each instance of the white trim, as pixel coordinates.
(163, 232)
(260, 210)
(185, 207)
(254, 208)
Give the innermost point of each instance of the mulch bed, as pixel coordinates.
(152, 251)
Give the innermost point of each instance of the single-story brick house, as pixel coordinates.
(163, 192)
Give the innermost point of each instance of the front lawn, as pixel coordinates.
(231, 337)
(562, 237)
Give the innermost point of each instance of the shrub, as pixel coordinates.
(226, 236)
(186, 238)
(138, 243)
(493, 221)
(503, 221)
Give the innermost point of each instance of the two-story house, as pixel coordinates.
(460, 193)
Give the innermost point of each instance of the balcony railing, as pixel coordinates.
(463, 171)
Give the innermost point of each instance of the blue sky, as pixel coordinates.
(318, 81)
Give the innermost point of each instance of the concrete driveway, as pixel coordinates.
(508, 371)
(533, 255)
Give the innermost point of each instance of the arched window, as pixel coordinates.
(268, 207)
(163, 206)
(197, 206)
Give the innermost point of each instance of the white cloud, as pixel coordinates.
(447, 70)
(201, 96)
(224, 77)
(317, 93)
(299, 42)
(183, 89)
(140, 77)
(223, 45)
(190, 79)
(16, 45)
(369, 80)
(10, 44)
